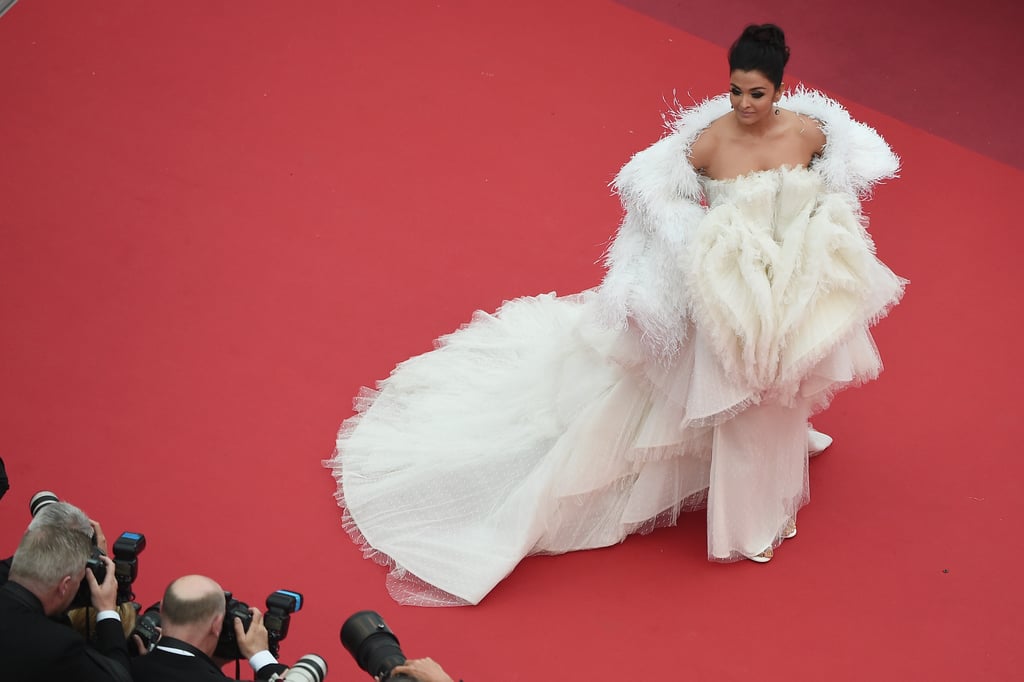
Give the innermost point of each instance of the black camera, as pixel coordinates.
(280, 605)
(227, 644)
(126, 568)
(146, 627)
(372, 644)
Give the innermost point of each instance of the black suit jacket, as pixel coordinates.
(38, 649)
(164, 666)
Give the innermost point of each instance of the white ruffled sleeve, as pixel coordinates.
(661, 197)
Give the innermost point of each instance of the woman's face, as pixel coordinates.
(753, 96)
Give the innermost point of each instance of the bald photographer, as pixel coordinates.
(192, 615)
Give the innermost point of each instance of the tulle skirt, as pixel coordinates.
(539, 430)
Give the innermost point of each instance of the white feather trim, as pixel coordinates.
(855, 157)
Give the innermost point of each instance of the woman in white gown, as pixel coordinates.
(740, 288)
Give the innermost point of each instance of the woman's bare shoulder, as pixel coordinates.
(703, 149)
(811, 132)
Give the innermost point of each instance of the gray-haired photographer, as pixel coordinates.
(46, 574)
(45, 511)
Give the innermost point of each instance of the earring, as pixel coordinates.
(776, 111)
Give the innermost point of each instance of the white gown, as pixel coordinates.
(540, 429)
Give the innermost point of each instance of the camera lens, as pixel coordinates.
(309, 668)
(373, 645)
(40, 500)
(146, 627)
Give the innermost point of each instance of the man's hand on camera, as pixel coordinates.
(423, 669)
(101, 539)
(104, 595)
(256, 639)
(139, 645)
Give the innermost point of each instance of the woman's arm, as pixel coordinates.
(812, 135)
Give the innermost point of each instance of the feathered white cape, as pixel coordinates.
(661, 195)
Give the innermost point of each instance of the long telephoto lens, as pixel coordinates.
(373, 645)
(40, 500)
(309, 668)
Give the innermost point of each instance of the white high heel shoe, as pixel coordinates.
(817, 442)
(787, 533)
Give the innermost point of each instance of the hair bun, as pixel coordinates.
(761, 47)
(768, 35)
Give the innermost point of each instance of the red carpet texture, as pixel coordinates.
(218, 220)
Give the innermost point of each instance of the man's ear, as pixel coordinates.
(217, 624)
(66, 583)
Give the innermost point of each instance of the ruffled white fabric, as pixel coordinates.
(780, 272)
(539, 429)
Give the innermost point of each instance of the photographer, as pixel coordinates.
(191, 616)
(45, 575)
(59, 514)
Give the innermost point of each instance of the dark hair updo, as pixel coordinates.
(760, 48)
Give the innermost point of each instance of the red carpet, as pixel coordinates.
(220, 220)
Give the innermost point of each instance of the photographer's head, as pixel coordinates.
(193, 611)
(62, 515)
(50, 562)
